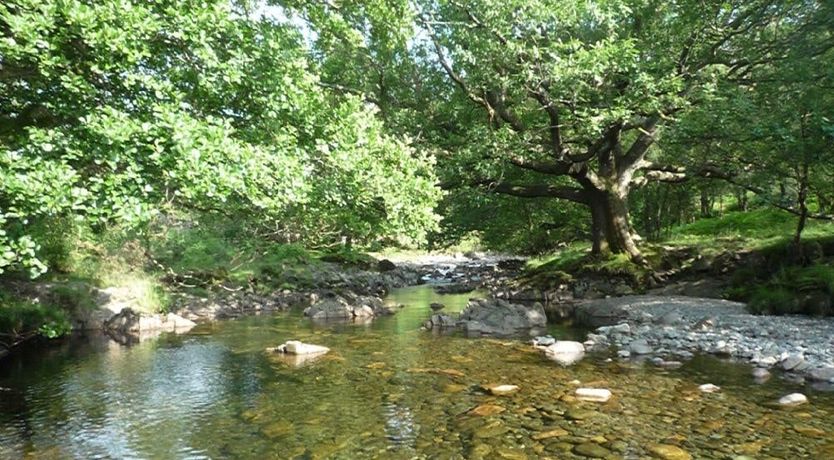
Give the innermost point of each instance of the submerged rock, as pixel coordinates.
(822, 374)
(591, 450)
(760, 374)
(454, 288)
(668, 452)
(485, 410)
(437, 306)
(565, 352)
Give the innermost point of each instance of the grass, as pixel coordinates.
(752, 230)
(765, 231)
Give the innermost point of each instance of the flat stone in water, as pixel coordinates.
(487, 409)
(453, 388)
(592, 450)
(555, 433)
(809, 430)
(501, 390)
(490, 431)
(580, 414)
(510, 454)
(668, 452)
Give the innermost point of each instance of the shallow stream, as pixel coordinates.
(386, 390)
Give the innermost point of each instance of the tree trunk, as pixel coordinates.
(611, 228)
(802, 201)
(706, 204)
(741, 199)
(599, 232)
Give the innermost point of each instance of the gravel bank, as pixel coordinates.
(675, 326)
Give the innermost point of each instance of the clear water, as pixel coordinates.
(386, 390)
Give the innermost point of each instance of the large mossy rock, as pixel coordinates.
(493, 317)
(346, 307)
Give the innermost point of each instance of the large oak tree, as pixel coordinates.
(560, 99)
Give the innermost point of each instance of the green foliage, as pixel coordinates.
(350, 257)
(22, 319)
(792, 290)
(772, 300)
(520, 227)
(116, 113)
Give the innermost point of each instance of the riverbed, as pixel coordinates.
(386, 390)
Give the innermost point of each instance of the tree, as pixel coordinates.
(117, 112)
(572, 95)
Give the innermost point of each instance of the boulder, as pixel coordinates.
(385, 265)
(501, 317)
(565, 352)
(330, 308)
(129, 321)
(347, 307)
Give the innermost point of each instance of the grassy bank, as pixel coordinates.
(185, 255)
(765, 275)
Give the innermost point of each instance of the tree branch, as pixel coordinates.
(536, 191)
(447, 67)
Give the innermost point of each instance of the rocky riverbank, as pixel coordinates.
(668, 328)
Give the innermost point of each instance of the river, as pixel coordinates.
(386, 390)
